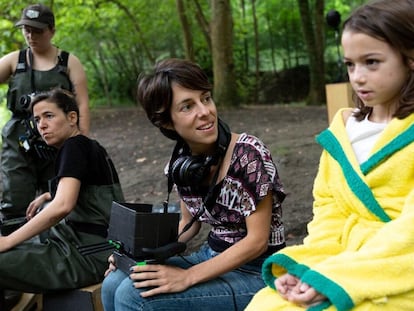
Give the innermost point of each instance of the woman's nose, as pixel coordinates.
(40, 124)
(202, 109)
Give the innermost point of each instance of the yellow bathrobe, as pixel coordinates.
(359, 252)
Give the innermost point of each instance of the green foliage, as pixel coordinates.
(4, 112)
(118, 39)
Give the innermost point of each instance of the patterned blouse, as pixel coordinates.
(251, 175)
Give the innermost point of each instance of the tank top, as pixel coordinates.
(20, 82)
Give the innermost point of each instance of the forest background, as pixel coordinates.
(269, 61)
(256, 51)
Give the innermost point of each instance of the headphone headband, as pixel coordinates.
(185, 169)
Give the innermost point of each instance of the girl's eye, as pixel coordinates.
(348, 64)
(372, 62)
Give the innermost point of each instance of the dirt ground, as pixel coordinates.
(140, 153)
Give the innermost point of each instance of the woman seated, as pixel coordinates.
(72, 218)
(225, 179)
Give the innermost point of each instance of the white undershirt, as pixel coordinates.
(363, 135)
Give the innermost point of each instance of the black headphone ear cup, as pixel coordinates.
(196, 172)
(189, 170)
(175, 170)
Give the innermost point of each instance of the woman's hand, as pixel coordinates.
(159, 278)
(112, 266)
(36, 204)
(293, 290)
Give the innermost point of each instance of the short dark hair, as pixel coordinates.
(154, 91)
(65, 100)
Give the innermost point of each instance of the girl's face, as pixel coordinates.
(194, 118)
(53, 124)
(376, 72)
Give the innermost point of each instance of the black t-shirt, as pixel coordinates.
(85, 159)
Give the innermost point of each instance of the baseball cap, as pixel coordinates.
(37, 16)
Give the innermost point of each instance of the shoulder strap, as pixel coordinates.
(63, 59)
(22, 62)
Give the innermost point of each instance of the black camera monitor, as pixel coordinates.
(141, 235)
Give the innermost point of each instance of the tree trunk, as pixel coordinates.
(313, 34)
(256, 53)
(203, 23)
(245, 42)
(225, 88)
(185, 26)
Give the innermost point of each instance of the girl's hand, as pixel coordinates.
(159, 279)
(292, 289)
(306, 295)
(285, 284)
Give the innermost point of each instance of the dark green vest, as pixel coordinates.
(21, 83)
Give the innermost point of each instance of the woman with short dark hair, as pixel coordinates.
(225, 179)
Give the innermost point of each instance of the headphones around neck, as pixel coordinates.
(187, 170)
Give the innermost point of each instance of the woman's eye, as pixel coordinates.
(185, 107)
(206, 99)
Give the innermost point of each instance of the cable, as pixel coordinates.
(206, 200)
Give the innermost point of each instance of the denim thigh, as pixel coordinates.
(231, 291)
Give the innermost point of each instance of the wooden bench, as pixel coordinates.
(29, 302)
(82, 299)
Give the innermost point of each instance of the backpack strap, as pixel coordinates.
(63, 60)
(22, 62)
(63, 66)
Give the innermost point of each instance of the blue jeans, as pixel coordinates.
(231, 291)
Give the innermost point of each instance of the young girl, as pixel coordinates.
(225, 179)
(72, 218)
(359, 253)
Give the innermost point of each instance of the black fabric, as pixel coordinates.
(89, 228)
(87, 160)
(220, 246)
(21, 64)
